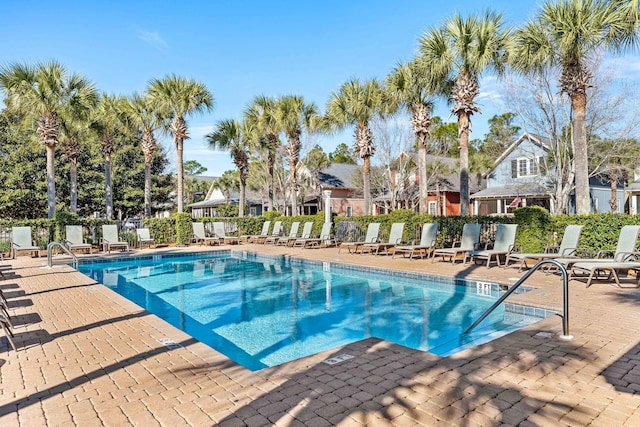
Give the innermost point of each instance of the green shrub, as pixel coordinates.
(270, 215)
(183, 227)
(161, 229)
(228, 210)
(534, 228)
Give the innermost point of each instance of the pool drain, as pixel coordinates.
(337, 359)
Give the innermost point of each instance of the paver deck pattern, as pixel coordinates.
(87, 356)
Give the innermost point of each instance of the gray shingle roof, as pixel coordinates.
(338, 175)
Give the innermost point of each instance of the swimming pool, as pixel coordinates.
(264, 311)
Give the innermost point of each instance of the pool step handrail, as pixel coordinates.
(50, 247)
(565, 291)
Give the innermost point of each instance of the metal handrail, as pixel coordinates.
(50, 247)
(565, 290)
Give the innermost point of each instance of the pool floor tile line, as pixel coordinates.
(93, 358)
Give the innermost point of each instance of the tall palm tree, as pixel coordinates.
(357, 104)
(295, 116)
(108, 122)
(414, 87)
(568, 34)
(235, 137)
(72, 131)
(45, 92)
(462, 49)
(262, 115)
(180, 96)
(145, 120)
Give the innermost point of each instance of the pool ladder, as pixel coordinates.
(52, 245)
(565, 291)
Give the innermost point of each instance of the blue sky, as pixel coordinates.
(239, 49)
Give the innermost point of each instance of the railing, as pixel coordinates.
(565, 290)
(50, 247)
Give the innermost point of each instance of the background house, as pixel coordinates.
(346, 199)
(518, 176)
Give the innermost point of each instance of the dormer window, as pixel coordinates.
(525, 167)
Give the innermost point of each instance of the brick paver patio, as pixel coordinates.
(87, 357)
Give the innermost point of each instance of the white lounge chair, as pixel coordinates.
(395, 238)
(293, 234)
(200, 236)
(144, 237)
(110, 238)
(306, 234)
(371, 237)
(258, 238)
(568, 247)
(74, 238)
(324, 240)
(625, 249)
(218, 229)
(21, 241)
(594, 269)
(276, 233)
(468, 242)
(426, 245)
(503, 245)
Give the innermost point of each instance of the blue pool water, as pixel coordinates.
(262, 312)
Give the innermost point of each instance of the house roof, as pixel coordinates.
(338, 175)
(541, 141)
(532, 189)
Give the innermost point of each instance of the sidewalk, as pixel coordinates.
(89, 357)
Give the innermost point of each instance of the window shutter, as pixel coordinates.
(514, 168)
(540, 163)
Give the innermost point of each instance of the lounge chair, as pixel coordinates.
(324, 240)
(258, 238)
(293, 234)
(110, 238)
(21, 241)
(426, 245)
(6, 325)
(306, 234)
(371, 237)
(625, 249)
(218, 229)
(74, 239)
(200, 236)
(469, 242)
(568, 247)
(395, 238)
(144, 238)
(276, 233)
(503, 245)
(594, 270)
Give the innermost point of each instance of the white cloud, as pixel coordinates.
(153, 38)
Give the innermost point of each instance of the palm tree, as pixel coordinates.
(107, 123)
(145, 120)
(356, 104)
(262, 115)
(180, 96)
(46, 92)
(461, 50)
(229, 180)
(235, 137)
(414, 87)
(568, 34)
(70, 135)
(295, 116)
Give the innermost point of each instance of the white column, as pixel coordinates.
(634, 204)
(327, 205)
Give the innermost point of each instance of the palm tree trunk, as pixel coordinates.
(51, 182)
(422, 176)
(294, 186)
(463, 125)
(241, 198)
(366, 177)
(579, 106)
(180, 172)
(271, 160)
(147, 189)
(73, 185)
(614, 193)
(108, 190)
